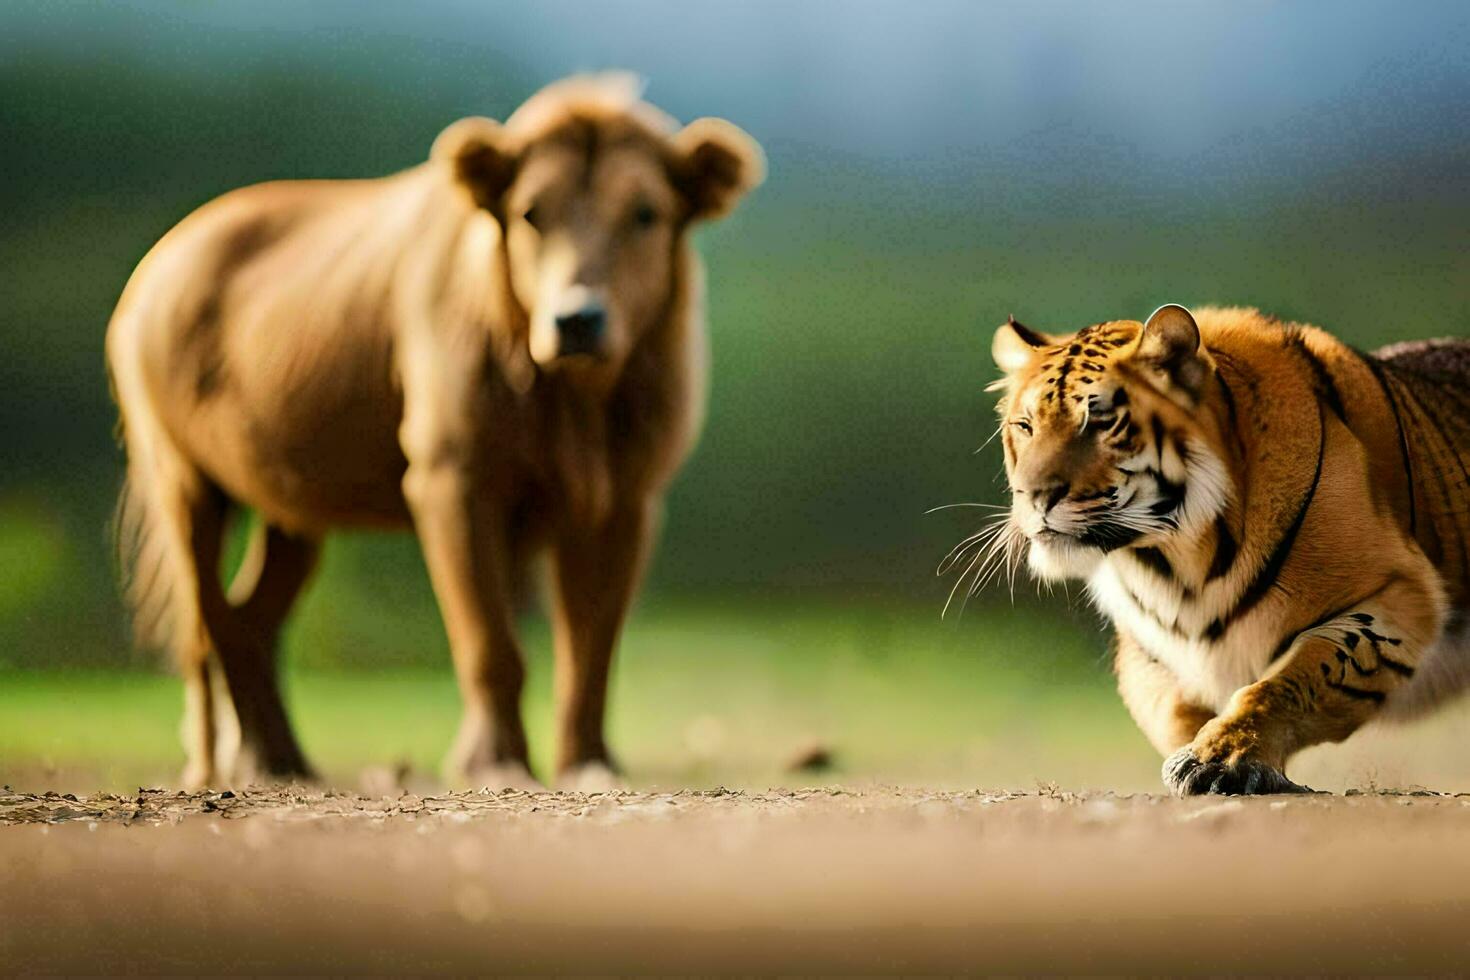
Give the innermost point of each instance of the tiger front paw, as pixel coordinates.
(1186, 774)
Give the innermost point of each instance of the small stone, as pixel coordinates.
(812, 757)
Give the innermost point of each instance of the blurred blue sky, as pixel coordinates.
(1140, 87)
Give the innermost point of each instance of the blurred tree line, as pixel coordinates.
(851, 301)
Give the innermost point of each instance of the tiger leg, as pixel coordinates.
(1332, 679)
(1167, 718)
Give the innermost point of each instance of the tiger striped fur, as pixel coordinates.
(1277, 525)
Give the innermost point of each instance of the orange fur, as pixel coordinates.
(1277, 524)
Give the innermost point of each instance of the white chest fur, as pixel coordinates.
(1171, 622)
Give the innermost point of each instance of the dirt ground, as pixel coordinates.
(871, 880)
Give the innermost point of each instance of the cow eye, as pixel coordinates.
(644, 216)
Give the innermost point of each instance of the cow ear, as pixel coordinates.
(1169, 345)
(1015, 344)
(476, 151)
(715, 164)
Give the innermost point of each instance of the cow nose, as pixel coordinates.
(581, 331)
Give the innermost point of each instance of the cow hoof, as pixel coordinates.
(590, 777)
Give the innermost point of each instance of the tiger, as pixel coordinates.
(1276, 524)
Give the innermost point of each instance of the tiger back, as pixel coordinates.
(1427, 387)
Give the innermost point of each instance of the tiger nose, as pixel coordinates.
(1047, 497)
(580, 332)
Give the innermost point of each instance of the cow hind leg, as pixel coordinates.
(169, 529)
(176, 520)
(275, 568)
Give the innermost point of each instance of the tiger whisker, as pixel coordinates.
(989, 441)
(933, 510)
(1014, 554)
(955, 588)
(978, 570)
(958, 551)
(995, 561)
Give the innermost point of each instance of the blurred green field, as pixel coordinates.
(708, 694)
(704, 695)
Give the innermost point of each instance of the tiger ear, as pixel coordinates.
(1170, 345)
(1015, 344)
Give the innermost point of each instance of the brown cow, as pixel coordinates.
(503, 346)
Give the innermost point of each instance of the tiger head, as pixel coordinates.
(1110, 438)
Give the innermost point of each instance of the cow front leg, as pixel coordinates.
(596, 574)
(465, 540)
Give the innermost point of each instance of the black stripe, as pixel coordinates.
(1347, 661)
(1171, 628)
(1124, 441)
(1338, 613)
(1108, 536)
(1326, 386)
(1376, 366)
(1154, 560)
(1377, 640)
(1352, 692)
(1284, 646)
(1229, 397)
(1226, 360)
(1156, 424)
(1345, 658)
(1031, 337)
(1266, 576)
(1225, 550)
(1434, 426)
(1171, 495)
(1402, 669)
(1441, 429)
